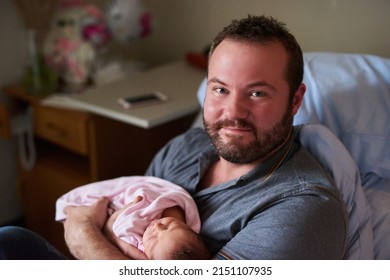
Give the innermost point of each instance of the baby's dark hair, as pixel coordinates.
(192, 251)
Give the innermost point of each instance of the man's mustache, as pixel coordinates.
(238, 123)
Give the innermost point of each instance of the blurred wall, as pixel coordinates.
(357, 26)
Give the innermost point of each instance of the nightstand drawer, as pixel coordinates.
(66, 128)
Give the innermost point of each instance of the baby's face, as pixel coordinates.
(164, 236)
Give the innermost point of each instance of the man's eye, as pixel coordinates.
(258, 94)
(221, 90)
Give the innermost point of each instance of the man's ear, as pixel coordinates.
(298, 98)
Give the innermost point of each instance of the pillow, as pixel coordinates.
(350, 94)
(198, 122)
(334, 157)
(201, 93)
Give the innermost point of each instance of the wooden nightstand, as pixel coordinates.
(76, 147)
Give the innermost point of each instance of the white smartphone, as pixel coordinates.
(149, 98)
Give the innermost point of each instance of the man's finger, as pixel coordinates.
(103, 201)
(68, 208)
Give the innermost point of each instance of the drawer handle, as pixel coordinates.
(57, 130)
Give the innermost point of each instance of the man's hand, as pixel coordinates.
(94, 215)
(83, 232)
(127, 249)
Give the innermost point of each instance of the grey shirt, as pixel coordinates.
(295, 213)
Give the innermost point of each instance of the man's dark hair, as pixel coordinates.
(263, 29)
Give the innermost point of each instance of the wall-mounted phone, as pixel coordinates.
(22, 128)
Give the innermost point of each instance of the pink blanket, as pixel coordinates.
(158, 194)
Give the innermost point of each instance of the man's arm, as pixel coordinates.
(87, 242)
(301, 227)
(83, 233)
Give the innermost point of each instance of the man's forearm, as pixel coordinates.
(83, 232)
(84, 235)
(87, 242)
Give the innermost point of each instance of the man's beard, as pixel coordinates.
(263, 144)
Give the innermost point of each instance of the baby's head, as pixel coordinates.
(171, 239)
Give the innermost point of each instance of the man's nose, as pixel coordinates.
(236, 108)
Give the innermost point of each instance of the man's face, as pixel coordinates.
(246, 113)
